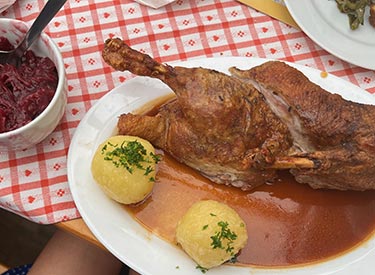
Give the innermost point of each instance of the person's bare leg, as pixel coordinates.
(67, 254)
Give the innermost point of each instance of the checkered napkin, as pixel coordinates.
(33, 183)
(4, 4)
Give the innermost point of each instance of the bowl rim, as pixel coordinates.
(60, 84)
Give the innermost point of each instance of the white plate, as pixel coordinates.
(128, 240)
(329, 28)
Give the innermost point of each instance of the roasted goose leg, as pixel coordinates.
(219, 125)
(338, 134)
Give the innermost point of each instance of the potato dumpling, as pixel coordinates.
(125, 168)
(211, 233)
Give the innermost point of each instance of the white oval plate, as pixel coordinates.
(322, 21)
(132, 243)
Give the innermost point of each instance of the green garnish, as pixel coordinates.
(156, 158)
(130, 155)
(202, 269)
(205, 227)
(224, 234)
(148, 170)
(233, 259)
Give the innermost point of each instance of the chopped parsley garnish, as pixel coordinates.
(130, 155)
(233, 259)
(201, 268)
(205, 227)
(224, 234)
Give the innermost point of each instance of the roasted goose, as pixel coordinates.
(225, 128)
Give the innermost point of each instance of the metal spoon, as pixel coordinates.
(50, 9)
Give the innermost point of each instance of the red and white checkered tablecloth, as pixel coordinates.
(33, 183)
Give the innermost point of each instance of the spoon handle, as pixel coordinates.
(48, 12)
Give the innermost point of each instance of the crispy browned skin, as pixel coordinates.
(218, 124)
(338, 134)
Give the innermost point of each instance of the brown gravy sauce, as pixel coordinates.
(288, 223)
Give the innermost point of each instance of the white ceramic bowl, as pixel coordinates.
(45, 123)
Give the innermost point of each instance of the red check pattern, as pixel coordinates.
(33, 183)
